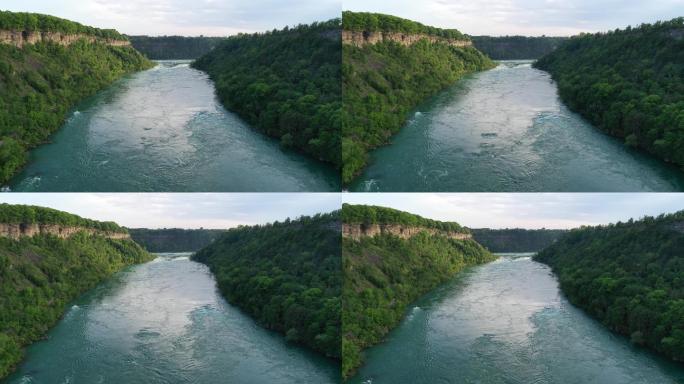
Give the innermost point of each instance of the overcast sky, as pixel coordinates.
(183, 17)
(182, 210)
(526, 210)
(525, 17)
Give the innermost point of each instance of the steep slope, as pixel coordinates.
(174, 239)
(286, 83)
(47, 65)
(629, 83)
(174, 47)
(630, 276)
(516, 47)
(48, 258)
(390, 258)
(390, 65)
(516, 239)
(286, 275)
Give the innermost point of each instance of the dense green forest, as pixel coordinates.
(174, 47)
(516, 47)
(23, 21)
(383, 82)
(286, 83)
(629, 83)
(31, 214)
(371, 214)
(630, 276)
(516, 239)
(384, 274)
(40, 83)
(174, 239)
(372, 22)
(286, 275)
(39, 275)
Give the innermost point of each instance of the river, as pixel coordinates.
(164, 130)
(507, 130)
(507, 322)
(165, 322)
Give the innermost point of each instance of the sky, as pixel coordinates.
(526, 210)
(183, 17)
(525, 17)
(182, 210)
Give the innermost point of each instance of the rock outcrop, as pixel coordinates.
(21, 38)
(356, 231)
(18, 230)
(362, 38)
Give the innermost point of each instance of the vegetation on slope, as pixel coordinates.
(174, 239)
(516, 239)
(629, 83)
(285, 83)
(39, 275)
(377, 22)
(39, 84)
(23, 21)
(630, 276)
(383, 82)
(371, 214)
(516, 47)
(384, 273)
(174, 47)
(285, 275)
(31, 214)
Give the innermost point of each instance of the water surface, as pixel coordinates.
(506, 130)
(165, 322)
(164, 130)
(507, 322)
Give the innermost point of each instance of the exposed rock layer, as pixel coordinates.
(21, 38)
(362, 38)
(356, 231)
(17, 230)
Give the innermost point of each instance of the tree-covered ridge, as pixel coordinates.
(286, 83)
(40, 83)
(31, 214)
(286, 275)
(24, 21)
(372, 214)
(630, 276)
(40, 275)
(174, 239)
(174, 47)
(371, 22)
(516, 239)
(383, 82)
(384, 274)
(516, 47)
(629, 83)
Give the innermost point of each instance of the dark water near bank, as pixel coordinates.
(506, 130)
(506, 322)
(164, 130)
(164, 322)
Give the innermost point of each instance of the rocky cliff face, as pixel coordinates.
(15, 231)
(362, 38)
(356, 231)
(21, 38)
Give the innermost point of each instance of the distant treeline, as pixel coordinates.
(516, 239)
(174, 47)
(174, 239)
(371, 22)
(516, 47)
(23, 21)
(31, 214)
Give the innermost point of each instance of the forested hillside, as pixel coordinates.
(516, 47)
(285, 83)
(629, 83)
(383, 274)
(516, 239)
(286, 275)
(39, 275)
(383, 82)
(174, 239)
(630, 276)
(174, 47)
(40, 83)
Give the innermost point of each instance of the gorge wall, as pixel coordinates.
(362, 38)
(21, 38)
(356, 231)
(18, 230)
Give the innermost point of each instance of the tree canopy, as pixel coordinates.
(372, 214)
(24, 21)
(371, 22)
(31, 214)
